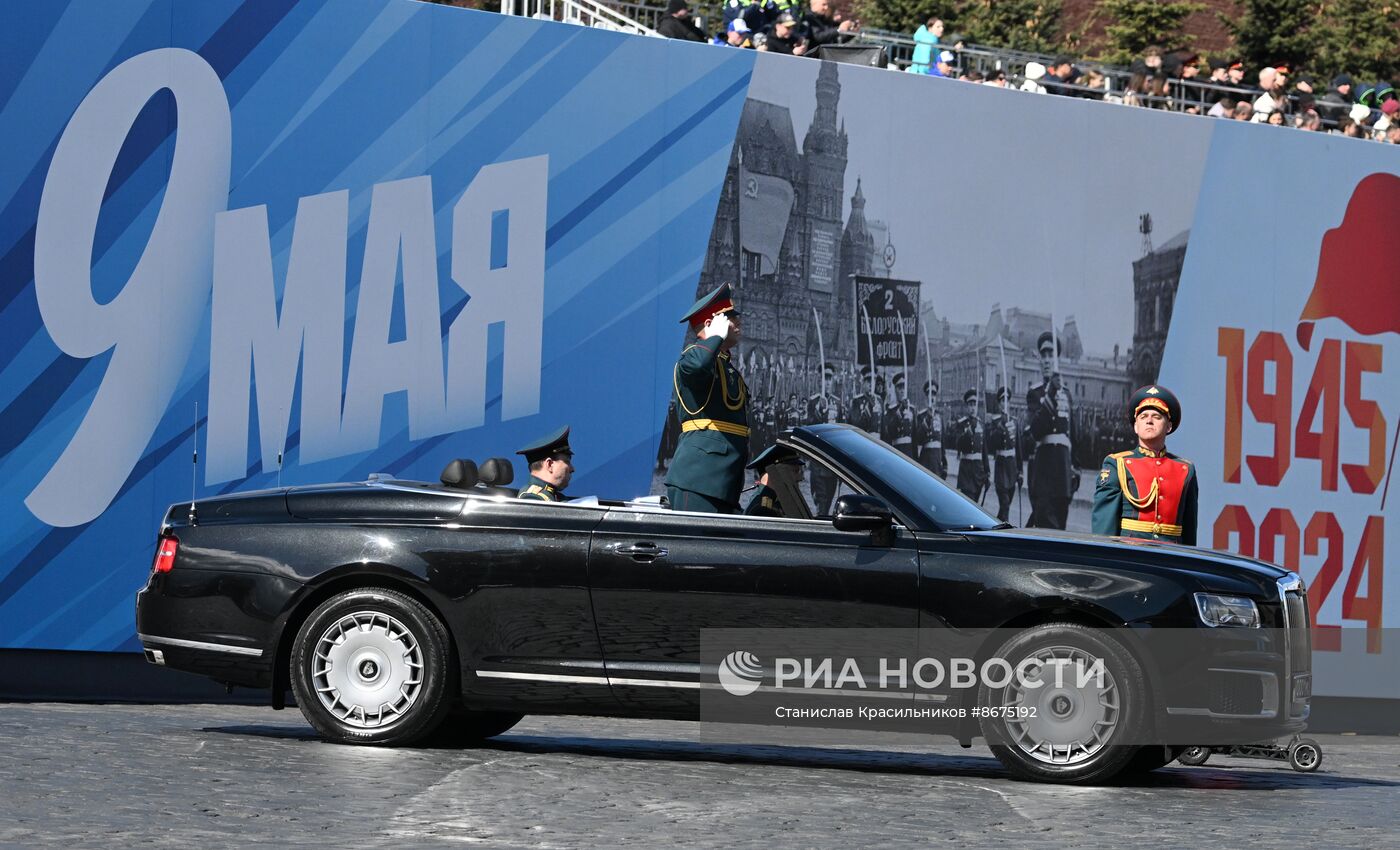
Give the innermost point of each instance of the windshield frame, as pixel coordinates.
(861, 457)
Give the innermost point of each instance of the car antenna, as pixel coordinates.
(194, 460)
(279, 460)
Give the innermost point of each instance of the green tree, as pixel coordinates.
(1140, 24)
(1357, 37)
(1030, 25)
(896, 15)
(1274, 32)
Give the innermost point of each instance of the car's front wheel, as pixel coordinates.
(1078, 717)
(373, 666)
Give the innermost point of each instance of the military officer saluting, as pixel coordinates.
(1003, 440)
(707, 473)
(1148, 492)
(928, 433)
(551, 466)
(969, 440)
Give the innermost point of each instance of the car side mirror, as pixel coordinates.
(861, 513)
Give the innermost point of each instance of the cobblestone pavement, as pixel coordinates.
(212, 776)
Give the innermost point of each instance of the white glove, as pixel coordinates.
(718, 325)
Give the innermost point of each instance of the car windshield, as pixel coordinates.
(949, 509)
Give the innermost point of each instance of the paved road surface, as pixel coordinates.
(204, 776)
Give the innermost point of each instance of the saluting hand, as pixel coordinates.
(718, 325)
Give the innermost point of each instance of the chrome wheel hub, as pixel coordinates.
(367, 669)
(1075, 703)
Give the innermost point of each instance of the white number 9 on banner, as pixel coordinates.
(151, 323)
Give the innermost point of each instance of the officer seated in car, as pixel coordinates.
(779, 494)
(551, 466)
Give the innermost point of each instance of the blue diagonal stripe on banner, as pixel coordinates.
(562, 227)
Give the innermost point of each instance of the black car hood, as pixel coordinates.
(1215, 569)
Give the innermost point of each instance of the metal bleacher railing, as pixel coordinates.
(588, 13)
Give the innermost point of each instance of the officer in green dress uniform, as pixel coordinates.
(779, 471)
(1148, 492)
(707, 473)
(969, 440)
(551, 466)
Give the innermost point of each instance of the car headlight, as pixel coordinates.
(1219, 610)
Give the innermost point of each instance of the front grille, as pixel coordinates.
(1236, 693)
(1299, 632)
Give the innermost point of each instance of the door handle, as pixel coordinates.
(644, 552)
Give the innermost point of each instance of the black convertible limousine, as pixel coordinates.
(395, 610)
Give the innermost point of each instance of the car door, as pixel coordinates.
(660, 577)
(516, 572)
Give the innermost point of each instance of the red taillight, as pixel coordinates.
(165, 554)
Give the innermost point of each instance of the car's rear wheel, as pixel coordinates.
(1054, 727)
(373, 666)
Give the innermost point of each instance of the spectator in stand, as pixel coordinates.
(1136, 89)
(1222, 107)
(944, 66)
(1235, 74)
(755, 13)
(739, 34)
(1271, 83)
(1095, 81)
(955, 43)
(1392, 135)
(995, 78)
(1275, 118)
(1335, 104)
(1219, 72)
(1308, 119)
(677, 23)
(784, 37)
(1061, 78)
(1158, 95)
(1361, 119)
(973, 76)
(1388, 119)
(1035, 72)
(1244, 111)
(822, 26)
(1347, 127)
(1152, 58)
(1190, 67)
(925, 42)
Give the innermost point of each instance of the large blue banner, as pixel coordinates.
(328, 238)
(324, 239)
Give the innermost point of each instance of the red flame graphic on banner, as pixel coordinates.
(1357, 282)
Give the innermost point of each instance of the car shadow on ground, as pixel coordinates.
(1241, 776)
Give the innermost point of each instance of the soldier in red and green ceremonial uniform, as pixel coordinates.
(551, 466)
(707, 473)
(1148, 492)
